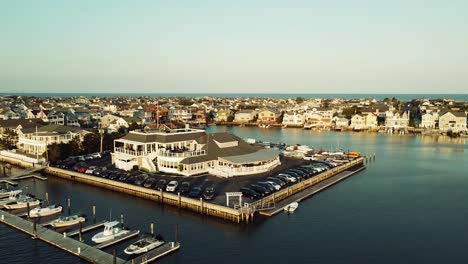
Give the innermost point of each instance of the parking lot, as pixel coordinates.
(258, 185)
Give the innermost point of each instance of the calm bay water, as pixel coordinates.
(409, 206)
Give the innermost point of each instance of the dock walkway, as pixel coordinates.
(311, 191)
(156, 253)
(51, 237)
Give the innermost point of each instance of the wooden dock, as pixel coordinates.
(85, 252)
(310, 191)
(86, 229)
(118, 239)
(156, 253)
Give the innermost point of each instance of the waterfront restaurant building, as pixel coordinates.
(190, 152)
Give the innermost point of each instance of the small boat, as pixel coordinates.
(144, 245)
(22, 203)
(65, 221)
(110, 232)
(291, 207)
(12, 196)
(4, 193)
(45, 211)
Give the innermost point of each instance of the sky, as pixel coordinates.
(242, 46)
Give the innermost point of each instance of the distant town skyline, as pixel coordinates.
(316, 47)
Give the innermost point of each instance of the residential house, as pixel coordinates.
(266, 116)
(222, 115)
(429, 120)
(35, 140)
(245, 116)
(396, 120)
(453, 121)
(293, 118)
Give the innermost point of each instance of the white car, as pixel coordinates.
(91, 170)
(275, 185)
(172, 186)
(96, 155)
(288, 177)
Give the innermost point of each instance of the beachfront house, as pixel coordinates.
(267, 116)
(34, 140)
(396, 120)
(244, 116)
(453, 121)
(190, 152)
(293, 118)
(429, 120)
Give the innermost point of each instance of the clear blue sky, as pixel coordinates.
(327, 46)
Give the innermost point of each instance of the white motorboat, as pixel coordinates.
(12, 196)
(65, 221)
(22, 203)
(45, 211)
(144, 245)
(291, 207)
(4, 193)
(110, 232)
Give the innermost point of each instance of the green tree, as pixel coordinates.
(299, 100)
(134, 126)
(279, 119)
(91, 143)
(54, 153)
(349, 112)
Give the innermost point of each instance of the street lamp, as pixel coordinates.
(101, 133)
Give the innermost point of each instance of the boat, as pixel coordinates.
(144, 245)
(12, 196)
(22, 203)
(110, 232)
(45, 211)
(65, 221)
(4, 193)
(291, 207)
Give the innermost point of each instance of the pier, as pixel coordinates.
(156, 253)
(242, 214)
(117, 239)
(53, 238)
(86, 229)
(279, 206)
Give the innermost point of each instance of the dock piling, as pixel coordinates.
(114, 256)
(69, 206)
(177, 232)
(47, 198)
(152, 229)
(28, 208)
(94, 214)
(35, 228)
(121, 220)
(79, 251)
(81, 232)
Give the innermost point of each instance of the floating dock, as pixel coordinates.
(86, 229)
(51, 237)
(117, 239)
(156, 253)
(279, 206)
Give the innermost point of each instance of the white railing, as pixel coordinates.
(19, 156)
(130, 152)
(181, 154)
(230, 172)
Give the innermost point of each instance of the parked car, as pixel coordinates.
(114, 175)
(172, 186)
(140, 179)
(105, 174)
(196, 192)
(88, 157)
(99, 171)
(249, 193)
(268, 185)
(285, 179)
(124, 176)
(160, 185)
(288, 177)
(149, 183)
(260, 189)
(184, 187)
(96, 155)
(83, 168)
(91, 170)
(209, 193)
(277, 181)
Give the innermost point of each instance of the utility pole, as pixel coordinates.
(101, 133)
